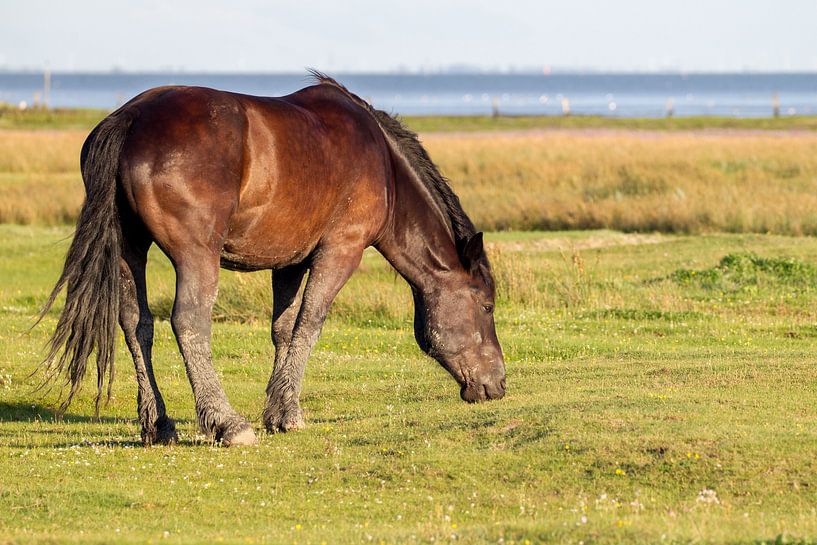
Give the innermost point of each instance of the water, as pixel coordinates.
(621, 95)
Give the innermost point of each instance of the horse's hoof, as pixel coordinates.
(241, 438)
(294, 423)
(163, 433)
(290, 422)
(166, 433)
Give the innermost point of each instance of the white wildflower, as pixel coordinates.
(708, 496)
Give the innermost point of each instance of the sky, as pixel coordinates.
(414, 35)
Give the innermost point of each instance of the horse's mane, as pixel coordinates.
(409, 145)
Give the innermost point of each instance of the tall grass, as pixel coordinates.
(667, 182)
(684, 183)
(40, 182)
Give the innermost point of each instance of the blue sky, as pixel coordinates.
(372, 35)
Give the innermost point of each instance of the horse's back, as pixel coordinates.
(266, 179)
(318, 169)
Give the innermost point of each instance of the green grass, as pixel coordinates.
(41, 118)
(69, 118)
(644, 406)
(485, 123)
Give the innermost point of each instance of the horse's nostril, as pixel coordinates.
(502, 384)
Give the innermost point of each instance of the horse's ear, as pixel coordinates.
(472, 252)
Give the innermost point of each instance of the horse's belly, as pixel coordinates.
(266, 247)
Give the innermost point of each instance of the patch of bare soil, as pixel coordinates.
(601, 240)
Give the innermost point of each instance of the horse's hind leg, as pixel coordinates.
(196, 288)
(286, 283)
(329, 271)
(137, 324)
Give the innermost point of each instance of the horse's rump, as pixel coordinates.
(271, 177)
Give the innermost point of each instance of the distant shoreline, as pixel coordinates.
(605, 94)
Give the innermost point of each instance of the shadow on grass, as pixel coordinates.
(106, 442)
(30, 412)
(27, 412)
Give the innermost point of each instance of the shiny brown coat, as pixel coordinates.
(294, 184)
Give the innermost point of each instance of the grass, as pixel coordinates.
(684, 183)
(659, 384)
(659, 391)
(40, 182)
(504, 123)
(668, 182)
(50, 119)
(67, 118)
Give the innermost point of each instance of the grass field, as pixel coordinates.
(49, 119)
(661, 380)
(661, 389)
(657, 181)
(69, 118)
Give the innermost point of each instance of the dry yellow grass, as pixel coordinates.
(39, 176)
(631, 181)
(686, 182)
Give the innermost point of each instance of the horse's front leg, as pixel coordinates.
(329, 271)
(196, 288)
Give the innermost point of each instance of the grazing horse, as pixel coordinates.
(298, 183)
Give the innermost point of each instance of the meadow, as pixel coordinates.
(679, 182)
(661, 380)
(660, 390)
(79, 118)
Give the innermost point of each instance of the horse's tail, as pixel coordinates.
(90, 275)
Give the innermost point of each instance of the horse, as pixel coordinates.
(301, 185)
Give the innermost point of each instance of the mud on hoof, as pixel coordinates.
(163, 432)
(238, 434)
(284, 420)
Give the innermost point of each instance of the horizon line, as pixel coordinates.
(452, 71)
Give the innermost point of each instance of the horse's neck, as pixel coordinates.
(419, 241)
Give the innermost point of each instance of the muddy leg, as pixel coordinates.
(196, 288)
(286, 283)
(328, 273)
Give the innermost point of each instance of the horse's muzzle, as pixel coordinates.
(483, 390)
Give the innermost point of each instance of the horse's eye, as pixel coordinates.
(488, 308)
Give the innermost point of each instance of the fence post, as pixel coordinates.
(776, 104)
(565, 106)
(46, 87)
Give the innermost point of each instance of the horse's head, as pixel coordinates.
(454, 324)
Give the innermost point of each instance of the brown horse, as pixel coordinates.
(298, 183)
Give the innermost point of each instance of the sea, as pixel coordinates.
(614, 95)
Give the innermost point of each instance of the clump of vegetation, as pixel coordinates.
(738, 272)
